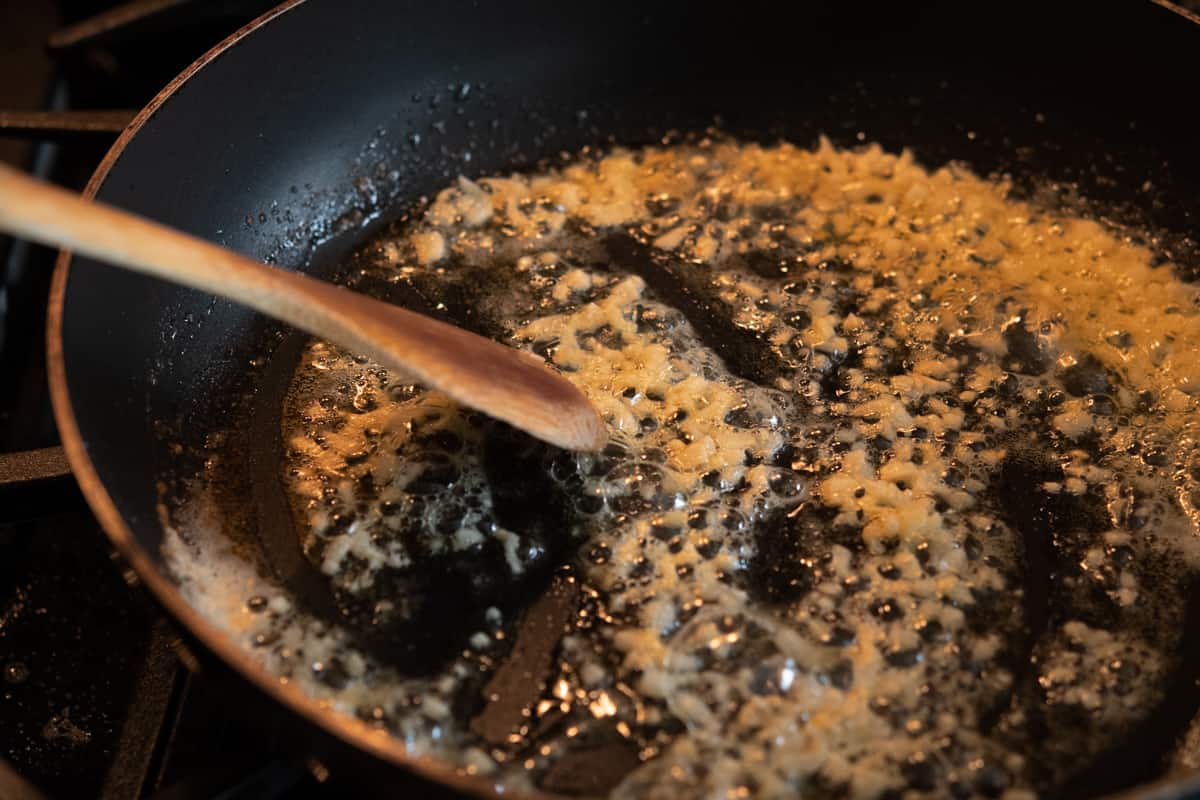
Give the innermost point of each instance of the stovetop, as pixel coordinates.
(95, 700)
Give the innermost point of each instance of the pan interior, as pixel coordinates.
(1039, 526)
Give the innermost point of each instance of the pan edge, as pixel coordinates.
(344, 728)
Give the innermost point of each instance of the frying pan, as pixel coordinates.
(302, 133)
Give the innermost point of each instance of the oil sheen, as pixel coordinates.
(898, 499)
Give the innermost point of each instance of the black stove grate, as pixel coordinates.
(94, 698)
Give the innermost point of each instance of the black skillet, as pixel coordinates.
(296, 137)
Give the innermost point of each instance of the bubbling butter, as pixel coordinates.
(941, 519)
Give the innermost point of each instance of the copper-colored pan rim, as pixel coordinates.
(376, 742)
(1186, 13)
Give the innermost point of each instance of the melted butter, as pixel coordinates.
(813, 585)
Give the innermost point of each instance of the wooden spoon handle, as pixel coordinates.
(43, 213)
(500, 381)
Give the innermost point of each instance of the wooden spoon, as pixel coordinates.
(500, 381)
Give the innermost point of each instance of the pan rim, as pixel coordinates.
(374, 742)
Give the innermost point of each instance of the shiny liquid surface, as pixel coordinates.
(898, 499)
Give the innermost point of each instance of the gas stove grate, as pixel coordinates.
(95, 698)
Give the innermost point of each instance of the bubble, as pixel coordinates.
(837, 636)
(785, 483)
(332, 673)
(731, 519)
(364, 400)
(716, 487)
(16, 672)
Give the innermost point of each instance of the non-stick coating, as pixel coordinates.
(334, 111)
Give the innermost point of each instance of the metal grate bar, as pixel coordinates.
(62, 124)
(125, 17)
(140, 18)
